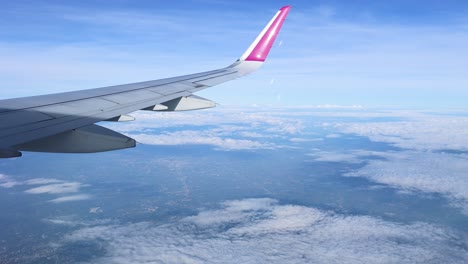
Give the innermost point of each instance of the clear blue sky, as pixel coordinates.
(370, 53)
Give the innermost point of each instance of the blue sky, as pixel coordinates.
(370, 53)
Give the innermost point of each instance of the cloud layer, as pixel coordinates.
(48, 186)
(441, 173)
(419, 131)
(199, 138)
(433, 156)
(225, 128)
(263, 231)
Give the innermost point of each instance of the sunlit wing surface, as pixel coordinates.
(65, 122)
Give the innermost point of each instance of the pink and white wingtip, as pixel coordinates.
(260, 48)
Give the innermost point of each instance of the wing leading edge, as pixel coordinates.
(65, 122)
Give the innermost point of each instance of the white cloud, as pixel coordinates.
(419, 131)
(333, 106)
(305, 139)
(421, 171)
(325, 156)
(95, 210)
(252, 135)
(422, 165)
(40, 181)
(353, 156)
(226, 119)
(7, 182)
(58, 188)
(234, 211)
(48, 186)
(10, 184)
(225, 128)
(263, 231)
(71, 198)
(65, 222)
(73, 221)
(127, 20)
(199, 137)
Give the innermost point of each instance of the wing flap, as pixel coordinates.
(188, 103)
(132, 97)
(74, 107)
(171, 88)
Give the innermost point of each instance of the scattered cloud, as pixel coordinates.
(433, 156)
(229, 119)
(353, 156)
(58, 188)
(127, 20)
(233, 211)
(333, 106)
(305, 139)
(65, 222)
(95, 210)
(429, 172)
(226, 128)
(74, 221)
(264, 231)
(71, 198)
(326, 156)
(199, 138)
(9, 184)
(419, 131)
(40, 181)
(333, 135)
(48, 186)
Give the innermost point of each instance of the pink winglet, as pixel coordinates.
(261, 50)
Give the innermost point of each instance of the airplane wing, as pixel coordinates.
(65, 122)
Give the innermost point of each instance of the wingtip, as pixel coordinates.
(259, 50)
